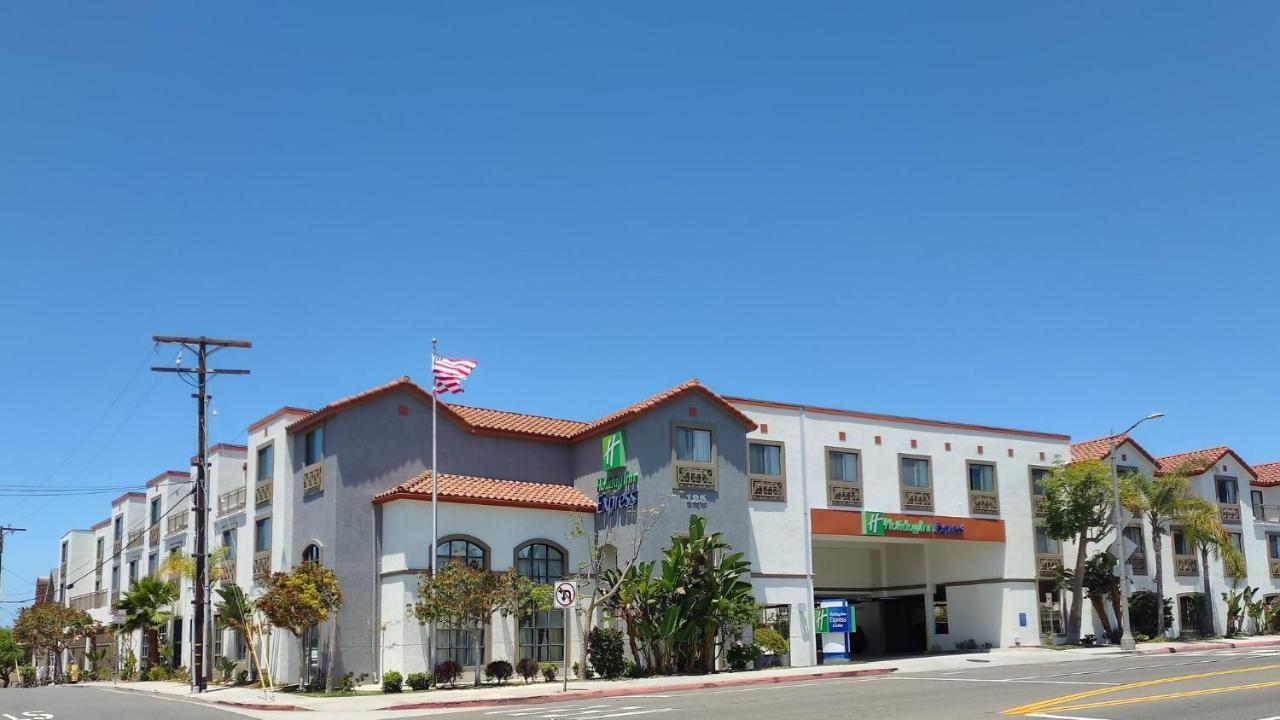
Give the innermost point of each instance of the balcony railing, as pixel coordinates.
(89, 601)
(262, 493)
(1230, 514)
(1275, 568)
(920, 499)
(117, 547)
(774, 489)
(313, 479)
(135, 539)
(1138, 564)
(1047, 566)
(1037, 505)
(233, 501)
(1266, 513)
(261, 564)
(178, 523)
(846, 494)
(1186, 566)
(984, 503)
(153, 535)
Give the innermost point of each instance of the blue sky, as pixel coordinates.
(1025, 214)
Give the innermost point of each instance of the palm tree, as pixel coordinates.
(1202, 527)
(236, 611)
(1160, 500)
(147, 606)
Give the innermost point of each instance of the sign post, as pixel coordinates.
(566, 596)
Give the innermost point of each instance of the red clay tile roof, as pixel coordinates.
(167, 474)
(1100, 448)
(1268, 474)
(490, 491)
(536, 427)
(505, 421)
(286, 410)
(1200, 461)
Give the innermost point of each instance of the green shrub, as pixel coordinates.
(499, 670)
(447, 672)
(771, 641)
(633, 671)
(604, 650)
(129, 668)
(392, 682)
(158, 673)
(528, 669)
(27, 673)
(226, 666)
(419, 681)
(550, 671)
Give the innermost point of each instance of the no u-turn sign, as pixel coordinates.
(565, 594)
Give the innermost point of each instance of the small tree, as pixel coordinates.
(592, 594)
(1101, 584)
(11, 655)
(300, 600)
(50, 627)
(462, 597)
(147, 606)
(1077, 507)
(238, 613)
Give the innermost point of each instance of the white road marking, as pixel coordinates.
(994, 680)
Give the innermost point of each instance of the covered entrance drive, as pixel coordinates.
(920, 584)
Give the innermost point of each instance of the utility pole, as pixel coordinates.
(203, 347)
(6, 530)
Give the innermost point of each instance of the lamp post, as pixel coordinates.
(1122, 566)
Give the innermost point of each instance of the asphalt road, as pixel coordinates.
(1220, 685)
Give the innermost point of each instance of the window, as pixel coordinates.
(153, 563)
(1273, 546)
(266, 462)
(314, 451)
(311, 554)
(693, 445)
(101, 549)
(1180, 544)
(115, 578)
(540, 562)
(217, 638)
(459, 645)
(262, 534)
(842, 466)
(133, 571)
(155, 511)
(766, 459)
(229, 542)
(64, 553)
(1237, 542)
(541, 633)
(119, 529)
(941, 625)
(1133, 539)
(982, 477)
(915, 472)
(1255, 498)
(463, 551)
(1046, 545)
(1038, 476)
(1227, 490)
(1122, 470)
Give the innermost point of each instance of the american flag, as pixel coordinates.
(449, 373)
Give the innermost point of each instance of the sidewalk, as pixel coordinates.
(278, 705)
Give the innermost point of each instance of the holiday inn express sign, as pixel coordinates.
(618, 488)
(875, 524)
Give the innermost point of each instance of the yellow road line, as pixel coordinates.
(1166, 696)
(1044, 705)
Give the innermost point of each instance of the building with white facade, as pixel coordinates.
(924, 533)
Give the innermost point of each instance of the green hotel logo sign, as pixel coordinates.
(877, 523)
(613, 451)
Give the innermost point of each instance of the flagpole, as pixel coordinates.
(431, 652)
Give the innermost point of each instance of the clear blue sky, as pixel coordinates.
(1024, 214)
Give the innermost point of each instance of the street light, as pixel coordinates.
(1126, 634)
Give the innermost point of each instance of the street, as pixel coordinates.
(1214, 685)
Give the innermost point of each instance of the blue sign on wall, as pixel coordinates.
(1022, 619)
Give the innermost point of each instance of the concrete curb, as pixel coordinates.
(1215, 645)
(188, 698)
(646, 690)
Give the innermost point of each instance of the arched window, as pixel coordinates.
(542, 633)
(311, 554)
(460, 645)
(467, 550)
(540, 562)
